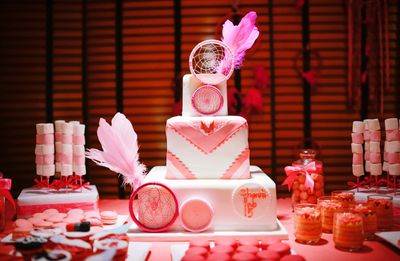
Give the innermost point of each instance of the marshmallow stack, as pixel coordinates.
(392, 147)
(58, 134)
(357, 140)
(375, 157)
(366, 145)
(66, 149)
(44, 150)
(78, 139)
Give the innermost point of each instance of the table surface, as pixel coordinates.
(324, 250)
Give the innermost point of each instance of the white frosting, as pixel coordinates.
(220, 194)
(212, 165)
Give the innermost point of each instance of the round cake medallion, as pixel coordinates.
(250, 200)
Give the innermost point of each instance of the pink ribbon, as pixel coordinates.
(5, 186)
(293, 171)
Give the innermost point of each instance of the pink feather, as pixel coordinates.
(240, 37)
(120, 150)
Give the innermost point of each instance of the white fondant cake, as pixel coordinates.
(207, 148)
(238, 204)
(32, 200)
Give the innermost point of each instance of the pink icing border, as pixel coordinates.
(236, 165)
(212, 141)
(184, 170)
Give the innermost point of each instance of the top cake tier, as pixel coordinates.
(199, 99)
(214, 147)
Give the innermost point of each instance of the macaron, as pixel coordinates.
(94, 221)
(281, 248)
(92, 214)
(55, 218)
(247, 249)
(75, 211)
(218, 257)
(44, 224)
(40, 215)
(61, 225)
(109, 217)
(35, 221)
(293, 258)
(50, 211)
(201, 251)
(23, 223)
(222, 249)
(268, 255)
(21, 232)
(244, 257)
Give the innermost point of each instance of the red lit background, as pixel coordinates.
(72, 59)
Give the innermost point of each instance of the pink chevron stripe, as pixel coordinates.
(237, 164)
(207, 143)
(180, 166)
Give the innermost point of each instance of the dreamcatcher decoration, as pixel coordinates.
(153, 207)
(211, 62)
(310, 76)
(207, 100)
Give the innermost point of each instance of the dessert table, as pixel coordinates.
(324, 250)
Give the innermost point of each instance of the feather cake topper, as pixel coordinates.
(120, 150)
(240, 37)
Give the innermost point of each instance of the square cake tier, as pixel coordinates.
(237, 204)
(207, 148)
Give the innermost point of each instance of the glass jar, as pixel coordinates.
(2, 213)
(346, 197)
(369, 219)
(328, 206)
(383, 205)
(348, 231)
(2, 208)
(307, 223)
(301, 193)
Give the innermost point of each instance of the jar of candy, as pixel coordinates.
(5, 186)
(308, 185)
(2, 213)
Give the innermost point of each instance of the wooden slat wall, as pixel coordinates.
(67, 60)
(148, 66)
(22, 85)
(331, 121)
(391, 103)
(148, 73)
(100, 32)
(289, 90)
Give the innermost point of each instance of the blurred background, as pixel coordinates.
(82, 60)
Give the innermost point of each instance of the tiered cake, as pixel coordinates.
(208, 167)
